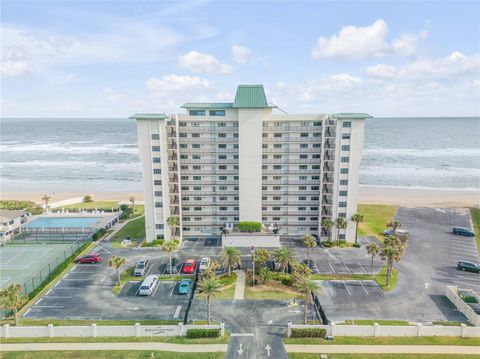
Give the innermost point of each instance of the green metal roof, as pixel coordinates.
(205, 105)
(149, 116)
(250, 96)
(351, 116)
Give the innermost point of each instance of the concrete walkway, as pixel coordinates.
(183, 348)
(239, 286)
(388, 349)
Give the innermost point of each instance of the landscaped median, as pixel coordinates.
(380, 278)
(109, 354)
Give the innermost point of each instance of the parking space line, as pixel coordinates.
(65, 276)
(333, 270)
(345, 284)
(347, 268)
(60, 281)
(177, 312)
(363, 287)
(362, 268)
(331, 289)
(48, 292)
(38, 301)
(28, 311)
(173, 289)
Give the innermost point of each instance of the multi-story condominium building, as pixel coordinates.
(223, 163)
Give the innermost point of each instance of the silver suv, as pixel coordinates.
(141, 268)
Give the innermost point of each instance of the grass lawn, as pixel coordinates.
(274, 290)
(92, 205)
(475, 213)
(377, 356)
(117, 243)
(125, 277)
(226, 293)
(380, 278)
(371, 322)
(376, 217)
(104, 354)
(134, 229)
(387, 341)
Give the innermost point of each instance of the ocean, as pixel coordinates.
(94, 155)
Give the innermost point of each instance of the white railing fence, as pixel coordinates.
(451, 292)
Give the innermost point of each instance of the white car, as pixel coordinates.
(204, 264)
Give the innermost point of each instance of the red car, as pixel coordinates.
(189, 266)
(89, 258)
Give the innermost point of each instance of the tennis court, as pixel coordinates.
(30, 264)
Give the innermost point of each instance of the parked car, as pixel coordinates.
(89, 258)
(174, 267)
(141, 267)
(189, 266)
(204, 264)
(312, 265)
(468, 266)
(317, 238)
(184, 286)
(148, 285)
(400, 232)
(462, 231)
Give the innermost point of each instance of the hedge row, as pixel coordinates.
(99, 234)
(203, 333)
(250, 226)
(286, 279)
(309, 333)
(227, 280)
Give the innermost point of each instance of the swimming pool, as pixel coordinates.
(59, 222)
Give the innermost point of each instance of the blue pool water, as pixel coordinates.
(58, 222)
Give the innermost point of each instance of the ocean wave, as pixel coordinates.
(468, 189)
(67, 148)
(70, 164)
(416, 171)
(407, 152)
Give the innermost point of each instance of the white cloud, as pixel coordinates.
(366, 41)
(241, 54)
(203, 63)
(14, 68)
(450, 67)
(113, 95)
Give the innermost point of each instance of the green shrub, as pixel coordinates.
(468, 298)
(327, 244)
(203, 333)
(356, 245)
(285, 279)
(87, 199)
(27, 206)
(309, 333)
(250, 226)
(154, 243)
(99, 234)
(227, 279)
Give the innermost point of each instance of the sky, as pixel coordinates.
(116, 58)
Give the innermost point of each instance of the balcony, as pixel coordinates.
(327, 168)
(173, 158)
(173, 190)
(173, 168)
(327, 179)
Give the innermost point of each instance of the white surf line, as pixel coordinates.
(345, 284)
(242, 334)
(333, 270)
(177, 312)
(28, 311)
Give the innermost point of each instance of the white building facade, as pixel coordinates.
(222, 163)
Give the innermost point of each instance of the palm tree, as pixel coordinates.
(230, 257)
(309, 242)
(340, 223)
(11, 298)
(132, 200)
(327, 224)
(265, 275)
(169, 247)
(208, 288)
(372, 249)
(46, 199)
(394, 225)
(357, 218)
(284, 256)
(306, 287)
(392, 251)
(173, 222)
(260, 256)
(115, 263)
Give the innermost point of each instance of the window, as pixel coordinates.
(158, 193)
(276, 198)
(184, 178)
(182, 134)
(196, 167)
(185, 188)
(196, 145)
(343, 182)
(302, 188)
(315, 156)
(222, 178)
(222, 198)
(159, 226)
(304, 134)
(275, 208)
(315, 178)
(304, 145)
(157, 171)
(183, 145)
(195, 135)
(155, 136)
(302, 198)
(264, 178)
(196, 112)
(345, 147)
(302, 178)
(264, 145)
(302, 208)
(275, 218)
(197, 178)
(264, 167)
(156, 159)
(222, 157)
(157, 183)
(264, 157)
(196, 157)
(342, 204)
(182, 124)
(158, 204)
(264, 188)
(197, 188)
(277, 145)
(264, 135)
(314, 188)
(317, 123)
(303, 167)
(341, 236)
(197, 198)
(313, 208)
(223, 208)
(315, 167)
(317, 134)
(316, 145)
(222, 124)
(344, 171)
(277, 178)
(235, 135)
(277, 135)
(343, 193)
(222, 188)
(222, 145)
(303, 156)
(345, 136)
(216, 112)
(156, 148)
(235, 145)
(277, 188)
(302, 218)
(277, 167)
(347, 124)
(344, 159)
(277, 157)
(184, 157)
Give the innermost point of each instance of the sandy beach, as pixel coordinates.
(367, 194)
